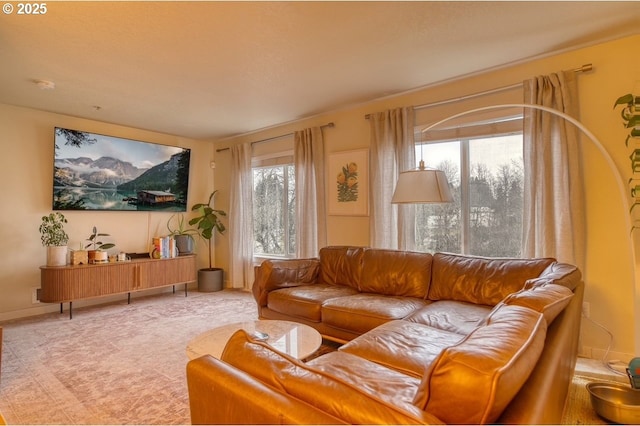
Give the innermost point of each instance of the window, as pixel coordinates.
(485, 172)
(274, 229)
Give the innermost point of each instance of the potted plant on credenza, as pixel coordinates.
(96, 252)
(208, 221)
(182, 235)
(54, 238)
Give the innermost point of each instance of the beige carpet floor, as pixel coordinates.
(125, 364)
(110, 364)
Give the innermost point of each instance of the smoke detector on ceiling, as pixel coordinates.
(45, 84)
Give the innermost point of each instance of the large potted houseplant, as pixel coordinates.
(208, 221)
(182, 235)
(54, 238)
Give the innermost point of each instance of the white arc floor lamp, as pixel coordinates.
(430, 186)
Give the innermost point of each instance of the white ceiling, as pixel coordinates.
(216, 69)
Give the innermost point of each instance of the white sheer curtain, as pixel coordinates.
(241, 217)
(554, 221)
(311, 225)
(392, 152)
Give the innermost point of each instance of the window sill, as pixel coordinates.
(257, 260)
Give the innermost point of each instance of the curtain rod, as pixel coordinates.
(330, 124)
(584, 68)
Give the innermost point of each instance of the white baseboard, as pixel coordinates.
(598, 353)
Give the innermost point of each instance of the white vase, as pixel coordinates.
(56, 255)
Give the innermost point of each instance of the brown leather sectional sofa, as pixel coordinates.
(429, 339)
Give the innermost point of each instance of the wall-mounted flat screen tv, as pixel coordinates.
(99, 172)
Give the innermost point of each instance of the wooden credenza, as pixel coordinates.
(60, 284)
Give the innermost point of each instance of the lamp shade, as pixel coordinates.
(422, 186)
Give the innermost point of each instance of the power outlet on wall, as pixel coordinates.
(586, 309)
(35, 295)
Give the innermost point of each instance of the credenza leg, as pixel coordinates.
(185, 289)
(128, 298)
(70, 310)
(61, 308)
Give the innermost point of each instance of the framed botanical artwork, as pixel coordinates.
(348, 185)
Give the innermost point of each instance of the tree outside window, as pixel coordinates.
(486, 178)
(274, 227)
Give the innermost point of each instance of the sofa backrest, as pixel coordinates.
(473, 381)
(548, 299)
(481, 280)
(559, 273)
(396, 273)
(341, 265)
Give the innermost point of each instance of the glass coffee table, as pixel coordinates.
(292, 338)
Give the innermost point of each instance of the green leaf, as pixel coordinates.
(633, 121)
(624, 100)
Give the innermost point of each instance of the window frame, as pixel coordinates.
(464, 134)
(277, 159)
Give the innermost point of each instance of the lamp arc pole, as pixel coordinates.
(610, 163)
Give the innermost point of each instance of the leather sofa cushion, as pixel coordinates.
(328, 393)
(479, 280)
(364, 311)
(404, 346)
(474, 380)
(381, 382)
(305, 301)
(548, 299)
(341, 265)
(451, 315)
(396, 273)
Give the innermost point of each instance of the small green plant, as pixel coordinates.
(94, 244)
(52, 231)
(181, 228)
(208, 221)
(630, 114)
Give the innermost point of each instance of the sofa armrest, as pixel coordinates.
(543, 397)
(222, 394)
(274, 274)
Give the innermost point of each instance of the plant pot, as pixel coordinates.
(97, 256)
(210, 279)
(56, 255)
(184, 243)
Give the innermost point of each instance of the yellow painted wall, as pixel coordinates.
(610, 270)
(27, 169)
(27, 164)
